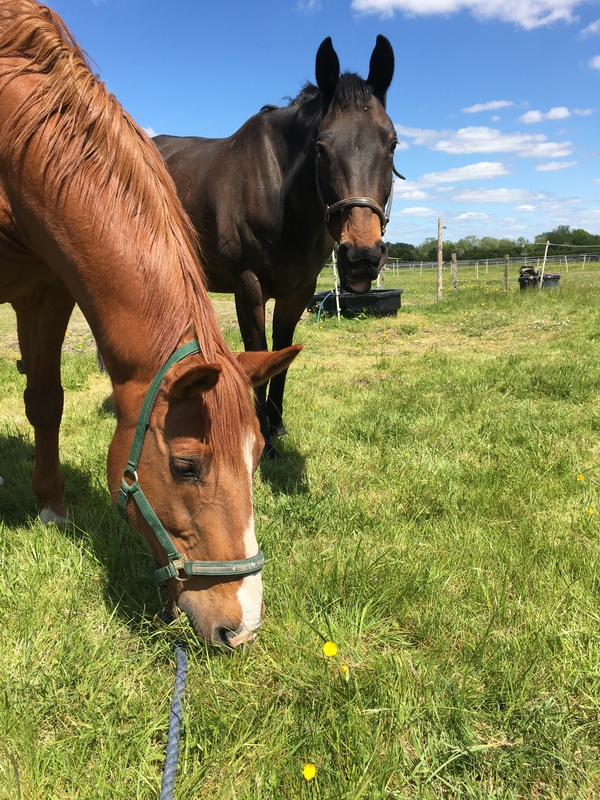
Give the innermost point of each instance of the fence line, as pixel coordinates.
(485, 263)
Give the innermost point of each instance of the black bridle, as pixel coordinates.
(350, 202)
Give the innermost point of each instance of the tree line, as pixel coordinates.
(474, 248)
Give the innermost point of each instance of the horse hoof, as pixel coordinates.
(47, 517)
(278, 431)
(21, 366)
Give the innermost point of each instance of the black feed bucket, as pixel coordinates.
(551, 280)
(378, 302)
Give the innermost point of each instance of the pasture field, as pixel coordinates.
(435, 513)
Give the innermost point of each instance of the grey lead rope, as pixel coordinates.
(172, 755)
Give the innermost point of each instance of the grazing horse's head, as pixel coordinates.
(355, 148)
(187, 486)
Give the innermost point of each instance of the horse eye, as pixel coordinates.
(185, 468)
(393, 146)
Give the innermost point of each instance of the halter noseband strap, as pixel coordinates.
(349, 202)
(130, 487)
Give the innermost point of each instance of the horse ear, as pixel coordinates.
(261, 366)
(327, 70)
(381, 68)
(189, 377)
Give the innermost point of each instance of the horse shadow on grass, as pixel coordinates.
(129, 589)
(287, 473)
(128, 565)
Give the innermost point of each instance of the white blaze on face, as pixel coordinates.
(250, 592)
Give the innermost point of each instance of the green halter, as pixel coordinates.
(130, 487)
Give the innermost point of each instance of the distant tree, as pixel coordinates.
(427, 251)
(402, 251)
(564, 235)
(473, 248)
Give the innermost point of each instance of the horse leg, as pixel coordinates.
(250, 308)
(42, 320)
(286, 314)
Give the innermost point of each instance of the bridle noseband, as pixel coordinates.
(179, 567)
(349, 202)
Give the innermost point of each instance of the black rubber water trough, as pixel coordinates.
(551, 280)
(377, 302)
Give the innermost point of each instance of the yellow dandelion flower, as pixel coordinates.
(344, 668)
(590, 511)
(580, 477)
(309, 771)
(330, 649)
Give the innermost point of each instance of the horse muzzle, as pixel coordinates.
(359, 266)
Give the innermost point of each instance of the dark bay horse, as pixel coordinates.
(271, 201)
(89, 214)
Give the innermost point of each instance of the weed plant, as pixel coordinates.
(435, 513)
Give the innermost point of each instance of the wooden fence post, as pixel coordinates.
(455, 271)
(440, 253)
(506, 264)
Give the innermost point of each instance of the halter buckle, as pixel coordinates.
(178, 566)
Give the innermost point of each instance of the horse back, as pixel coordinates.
(245, 196)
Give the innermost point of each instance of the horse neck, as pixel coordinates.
(142, 296)
(300, 138)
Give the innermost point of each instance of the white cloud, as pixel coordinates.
(472, 172)
(476, 139)
(594, 62)
(409, 191)
(525, 13)
(472, 215)
(418, 211)
(308, 6)
(558, 112)
(493, 105)
(425, 137)
(530, 117)
(490, 140)
(483, 195)
(150, 131)
(592, 29)
(527, 207)
(555, 166)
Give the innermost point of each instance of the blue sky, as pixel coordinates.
(496, 102)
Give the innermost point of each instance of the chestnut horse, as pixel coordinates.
(271, 201)
(89, 214)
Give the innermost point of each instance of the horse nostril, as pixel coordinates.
(232, 639)
(221, 636)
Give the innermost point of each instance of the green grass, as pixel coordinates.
(435, 512)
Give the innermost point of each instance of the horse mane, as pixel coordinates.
(96, 149)
(351, 89)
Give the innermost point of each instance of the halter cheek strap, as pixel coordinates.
(179, 566)
(349, 202)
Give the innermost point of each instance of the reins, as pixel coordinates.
(179, 566)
